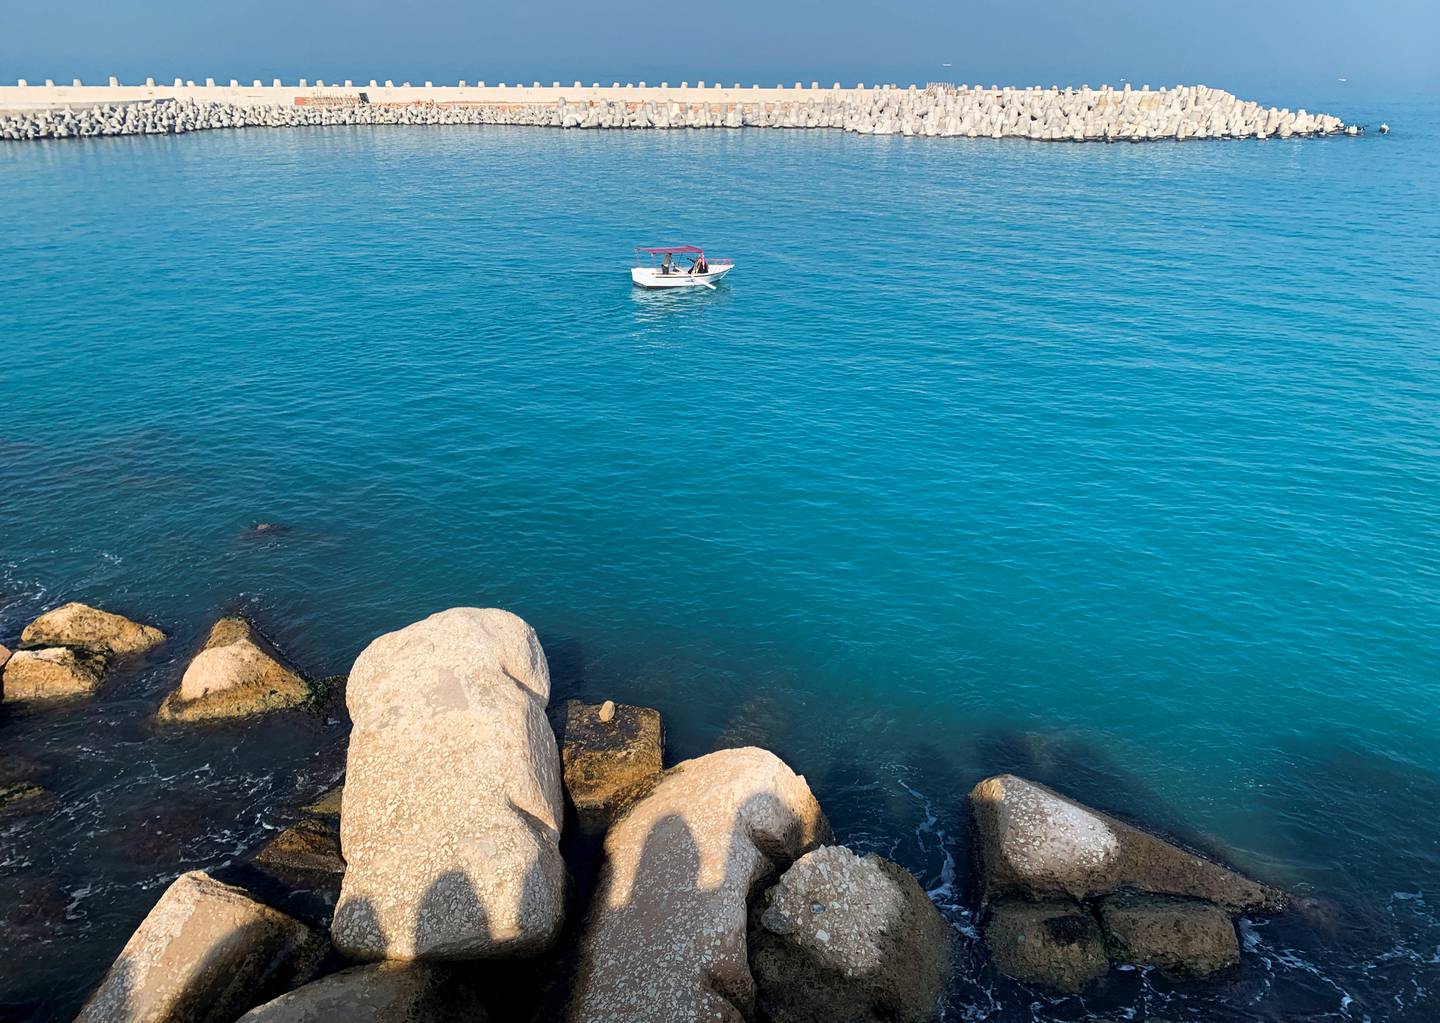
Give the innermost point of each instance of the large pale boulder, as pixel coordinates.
(608, 753)
(848, 939)
(4, 655)
(1035, 842)
(206, 953)
(89, 628)
(376, 993)
(666, 936)
(51, 673)
(453, 806)
(1179, 936)
(1055, 944)
(237, 673)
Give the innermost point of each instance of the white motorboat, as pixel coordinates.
(658, 268)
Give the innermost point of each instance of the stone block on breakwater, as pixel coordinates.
(50, 674)
(666, 936)
(1035, 842)
(237, 673)
(607, 760)
(377, 993)
(843, 938)
(453, 806)
(206, 953)
(1055, 944)
(1178, 936)
(89, 628)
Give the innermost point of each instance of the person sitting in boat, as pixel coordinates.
(700, 266)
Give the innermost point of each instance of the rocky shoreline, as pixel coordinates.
(450, 853)
(943, 111)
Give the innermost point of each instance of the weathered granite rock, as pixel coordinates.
(848, 939)
(1055, 945)
(306, 854)
(205, 953)
(453, 804)
(666, 937)
(51, 673)
(606, 763)
(237, 673)
(377, 993)
(4, 655)
(1034, 842)
(1180, 936)
(89, 628)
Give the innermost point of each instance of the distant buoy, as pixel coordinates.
(1384, 129)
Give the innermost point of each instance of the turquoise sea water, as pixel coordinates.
(1115, 466)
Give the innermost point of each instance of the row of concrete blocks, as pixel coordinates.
(176, 118)
(303, 83)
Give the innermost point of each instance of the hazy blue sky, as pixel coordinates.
(1232, 43)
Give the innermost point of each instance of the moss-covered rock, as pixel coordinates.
(1055, 945)
(609, 752)
(50, 674)
(1179, 936)
(237, 673)
(88, 628)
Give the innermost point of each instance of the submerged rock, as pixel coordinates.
(327, 805)
(51, 673)
(1179, 936)
(1037, 843)
(88, 628)
(237, 673)
(607, 761)
(378, 993)
(306, 854)
(21, 797)
(453, 804)
(666, 937)
(206, 953)
(848, 939)
(1055, 945)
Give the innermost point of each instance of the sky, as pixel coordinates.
(1235, 44)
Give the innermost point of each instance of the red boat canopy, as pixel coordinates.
(676, 250)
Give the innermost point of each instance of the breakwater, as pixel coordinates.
(952, 111)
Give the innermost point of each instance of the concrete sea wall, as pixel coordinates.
(1051, 114)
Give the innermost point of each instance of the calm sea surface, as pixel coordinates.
(1115, 466)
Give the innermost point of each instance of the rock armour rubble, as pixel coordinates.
(1042, 115)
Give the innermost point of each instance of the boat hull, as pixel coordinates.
(650, 277)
